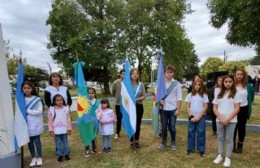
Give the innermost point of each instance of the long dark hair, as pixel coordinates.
(94, 90)
(54, 74)
(105, 101)
(55, 97)
(223, 88)
(34, 91)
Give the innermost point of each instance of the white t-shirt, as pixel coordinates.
(226, 106)
(196, 103)
(216, 92)
(243, 94)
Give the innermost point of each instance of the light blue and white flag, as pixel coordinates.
(161, 90)
(127, 103)
(20, 121)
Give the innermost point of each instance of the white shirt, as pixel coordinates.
(59, 124)
(34, 117)
(170, 103)
(226, 106)
(243, 94)
(216, 91)
(62, 90)
(196, 103)
(108, 116)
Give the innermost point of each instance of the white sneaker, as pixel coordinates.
(39, 162)
(33, 162)
(227, 162)
(116, 136)
(218, 159)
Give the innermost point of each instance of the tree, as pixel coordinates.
(232, 66)
(155, 24)
(211, 64)
(89, 30)
(255, 60)
(242, 17)
(191, 67)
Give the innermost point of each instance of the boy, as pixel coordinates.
(170, 106)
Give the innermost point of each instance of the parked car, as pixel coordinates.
(152, 85)
(188, 84)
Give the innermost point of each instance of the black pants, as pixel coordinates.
(93, 146)
(139, 116)
(214, 124)
(241, 124)
(118, 119)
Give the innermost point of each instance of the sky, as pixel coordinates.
(24, 25)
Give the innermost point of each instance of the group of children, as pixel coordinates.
(226, 107)
(59, 123)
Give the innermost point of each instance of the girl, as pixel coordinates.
(106, 125)
(34, 111)
(196, 106)
(226, 107)
(96, 104)
(246, 92)
(60, 126)
(139, 92)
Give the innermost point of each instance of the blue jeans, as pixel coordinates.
(61, 141)
(106, 141)
(168, 120)
(37, 141)
(198, 128)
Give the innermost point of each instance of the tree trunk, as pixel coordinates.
(106, 79)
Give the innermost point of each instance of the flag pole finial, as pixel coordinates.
(20, 56)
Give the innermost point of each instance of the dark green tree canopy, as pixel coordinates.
(242, 17)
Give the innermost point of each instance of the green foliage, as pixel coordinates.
(211, 64)
(232, 66)
(255, 60)
(242, 17)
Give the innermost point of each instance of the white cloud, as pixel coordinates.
(24, 24)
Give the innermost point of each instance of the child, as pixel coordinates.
(34, 110)
(196, 106)
(170, 107)
(96, 104)
(226, 107)
(60, 125)
(106, 125)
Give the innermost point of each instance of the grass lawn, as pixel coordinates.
(149, 155)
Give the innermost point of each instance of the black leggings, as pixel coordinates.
(118, 119)
(139, 116)
(241, 124)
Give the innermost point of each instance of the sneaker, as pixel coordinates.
(162, 146)
(33, 162)
(227, 162)
(105, 150)
(59, 159)
(116, 136)
(39, 161)
(137, 145)
(87, 154)
(131, 146)
(173, 147)
(218, 159)
(189, 152)
(202, 154)
(67, 158)
(214, 133)
(109, 149)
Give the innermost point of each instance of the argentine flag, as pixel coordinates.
(127, 104)
(20, 121)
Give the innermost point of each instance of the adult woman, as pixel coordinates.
(139, 92)
(256, 83)
(246, 92)
(56, 87)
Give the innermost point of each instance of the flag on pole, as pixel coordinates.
(20, 122)
(127, 104)
(87, 119)
(161, 90)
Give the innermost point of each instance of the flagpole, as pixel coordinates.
(22, 159)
